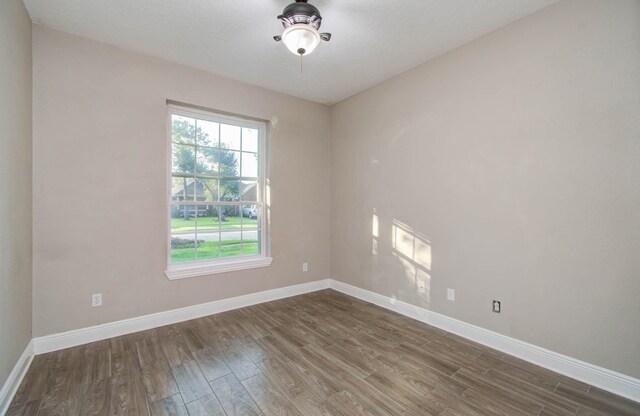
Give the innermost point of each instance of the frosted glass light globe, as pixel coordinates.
(301, 39)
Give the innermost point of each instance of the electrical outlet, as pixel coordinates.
(305, 267)
(422, 286)
(496, 306)
(451, 295)
(96, 299)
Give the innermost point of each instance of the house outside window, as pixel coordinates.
(217, 175)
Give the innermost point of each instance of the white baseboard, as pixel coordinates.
(612, 381)
(15, 378)
(81, 336)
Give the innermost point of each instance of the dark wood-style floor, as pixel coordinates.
(318, 354)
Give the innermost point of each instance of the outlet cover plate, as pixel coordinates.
(96, 299)
(451, 295)
(497, 307)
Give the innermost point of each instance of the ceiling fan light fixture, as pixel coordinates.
(301, 39)
(301, 22)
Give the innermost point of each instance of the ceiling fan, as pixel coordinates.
(301, 22)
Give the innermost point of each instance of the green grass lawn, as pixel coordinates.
(232, 223)
(211, 250)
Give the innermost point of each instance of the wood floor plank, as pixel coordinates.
(26, 409)
(63, 381)
(614, 400)
(483, 385)
(345, 403)
(253, 349)
(159, 382)
(125, 364)
(322, 380)
(403, 392)
(176, 349)
(35, 381)
(95, 398)
(431, 359)
(540, 372)
(211, 364)
(373, 397)
(270, 400)
(284, 377)
(453, 404)
(599, 402)
(233, 397)
(128, 396)
(308, 403)
(96, 366)
(552, 411)
(206, 406)
(442, 381)
(170, 406)
(551, 402)
(239, 363)
(190, 381)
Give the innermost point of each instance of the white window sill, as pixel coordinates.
(184, 271)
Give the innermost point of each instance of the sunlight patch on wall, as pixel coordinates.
(375, 232)
(411, 245)
(413, 251)
(374, 226)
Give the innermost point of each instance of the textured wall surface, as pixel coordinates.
(15, 183)
(100, 157)
(507, 169)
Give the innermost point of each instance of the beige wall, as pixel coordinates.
(100, 178)
(15, 183)
(509, 169)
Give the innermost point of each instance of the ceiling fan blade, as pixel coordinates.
(325, 36)
(277, 38)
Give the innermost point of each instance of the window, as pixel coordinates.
(217, 169)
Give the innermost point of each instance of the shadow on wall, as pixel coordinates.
(405, 262)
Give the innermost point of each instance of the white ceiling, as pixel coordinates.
(372, 39)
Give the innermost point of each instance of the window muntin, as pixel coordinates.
(217, 177)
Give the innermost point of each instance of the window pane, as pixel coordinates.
(249, 140)
(181, 224)
(248, 190)
(208, 245)
(183, 158)
(186, 213)
(183, 247)
(207, 219)
(249, 165)
(229, 163)
(207, 134)
(249, 217)
(250, 242)
(179, 189)
(230, 137)
(183, 129)
(229, 189)
(231, 218)
(182, 189)
(207, 161)
(208, 190)
(231, 244)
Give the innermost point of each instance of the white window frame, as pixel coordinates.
(212, 266)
